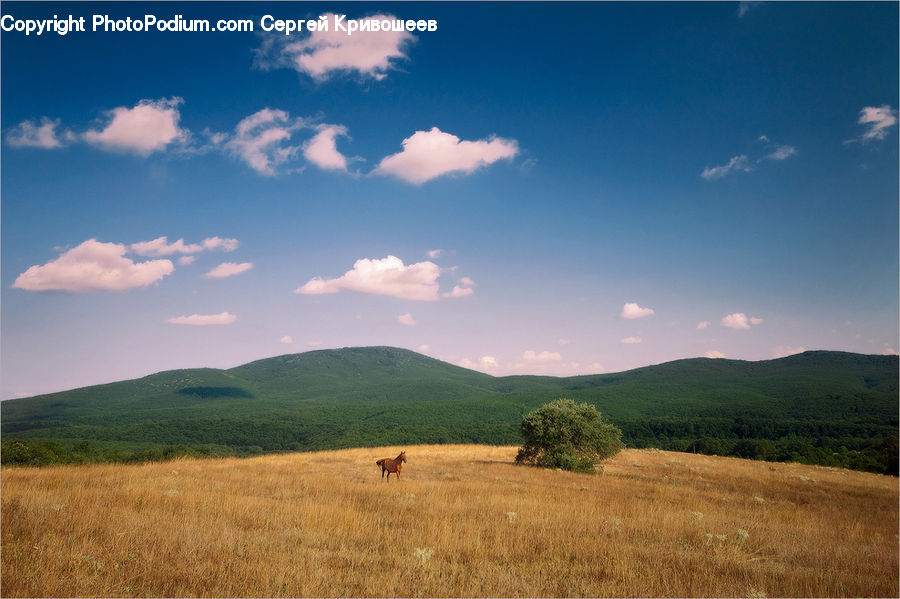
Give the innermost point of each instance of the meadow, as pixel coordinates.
(463, 520)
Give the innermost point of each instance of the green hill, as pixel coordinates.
(831, 408)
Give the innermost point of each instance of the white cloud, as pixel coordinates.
(781, 153)
(228, 269)
(161, 246)
(204, 319)
(148, 127)
(889, 350)
(28, 134)
(287, 340)
(488, 362)
(878, 119)
(702, 325)
(93, 266)
(544, 356)
(738, 163)
(563, 342)
(186, 260)
(261, 139)
(423, 348)
(783, 351)
(631, 340)
(463, 289)
(387, 276)
(714, 354)
(434, 253)
(407, 319)
(483, 364)
(739, 320)
(430, 154)
(459, 292)
(631, 311)
(322, 150)
(323, 53)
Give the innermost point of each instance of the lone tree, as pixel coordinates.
(566, 435)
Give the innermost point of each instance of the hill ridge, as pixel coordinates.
(835, 408)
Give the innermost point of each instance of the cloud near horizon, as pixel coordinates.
(223, 318)
(93, 266)
(631, 311)
(147, 127)
(427, 155)
(739, 320)
(325, 53)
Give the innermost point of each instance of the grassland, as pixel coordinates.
(462, 521)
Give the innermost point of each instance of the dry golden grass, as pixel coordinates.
(462, 521)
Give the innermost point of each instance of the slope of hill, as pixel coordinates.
(821, 407)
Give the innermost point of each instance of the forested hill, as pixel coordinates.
(821, 407)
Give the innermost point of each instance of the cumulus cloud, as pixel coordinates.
(93, 266)
(878, 121)
(322, 150)
(228, 269)
(463, 289)
(631, 311)
(287, 340)
(434, 253)
(738, 163)
(716, 354)
(148, 127)
(161, 246)
(29, 134)
(430, 154)
(631, 340)
(261, 140)
(702, 325)
(204, 319)
(325, 53)
(387, 276)
(739, 320)
(407, 319)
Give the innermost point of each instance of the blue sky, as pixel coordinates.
(530, 188)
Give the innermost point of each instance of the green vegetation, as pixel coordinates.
(830, 408)
(566, 435)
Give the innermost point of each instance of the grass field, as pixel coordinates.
(462, 521)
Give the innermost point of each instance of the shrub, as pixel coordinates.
(566, 435)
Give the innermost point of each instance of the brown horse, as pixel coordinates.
(388, 465)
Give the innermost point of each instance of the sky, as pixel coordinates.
(511, 187)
